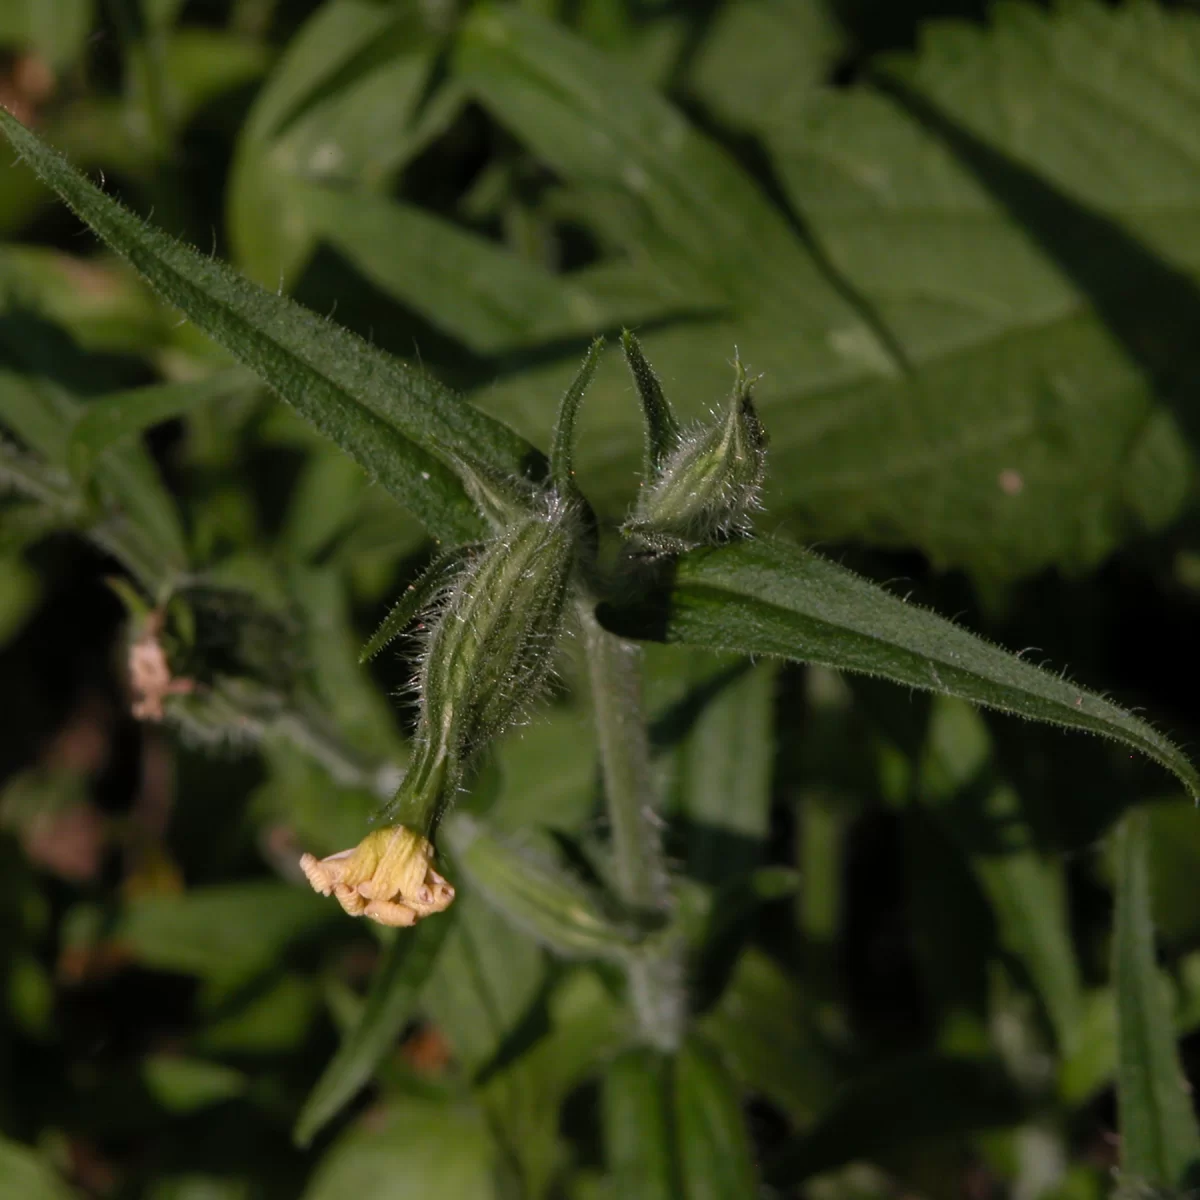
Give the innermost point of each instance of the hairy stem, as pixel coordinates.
(639, 873)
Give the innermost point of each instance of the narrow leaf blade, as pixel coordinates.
(713, 1147)
(402, 426)
(1160, 1144)
(391, 1001)
(562, 451)
(768, 597)
(415, 597)
(637, 1126)
(119, 416)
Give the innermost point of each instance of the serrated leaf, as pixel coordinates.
(655, 184)
(1031, 244)
(397, 422)
(1160, 1144)
(1039, 421)
(769, 597)
(391, 1002)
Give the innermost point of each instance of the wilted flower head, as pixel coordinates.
(388, 877)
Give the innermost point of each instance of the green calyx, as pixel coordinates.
(489, 652)
(705, 486)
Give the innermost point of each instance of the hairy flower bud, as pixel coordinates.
(489, 652)
(707, 486)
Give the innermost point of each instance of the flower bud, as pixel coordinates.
(388, 877)
(488, 653)
(707, 486)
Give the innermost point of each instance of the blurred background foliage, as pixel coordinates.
(964, 249)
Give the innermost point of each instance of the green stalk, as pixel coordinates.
(639, 873)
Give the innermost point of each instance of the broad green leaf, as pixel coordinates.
(222, 930)
(183, 1085)
(120, 416)
(655, 185)
(390, 1005)
(637, 1126)
(732, 915)
(415, 1147)
(537, 894)
(759, 55)
(1045, 306)
(327, 497)
(399, 424)
(894, 1107)
(1032, 244)
(726, 777)
(1160, 1144)
(1174, 848)
(524, 1098)
(483, 984)
(766, 1037)
(713, 1147)
(25, 1176)
(768, 597)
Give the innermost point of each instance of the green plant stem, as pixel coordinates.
(639, 874)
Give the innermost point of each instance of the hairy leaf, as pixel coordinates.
(397, 422)
(769, 597)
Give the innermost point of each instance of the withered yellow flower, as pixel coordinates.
(388, 877)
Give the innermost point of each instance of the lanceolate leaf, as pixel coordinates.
(390, 1003)
(637, 1132)
(400, 424)
(715, 1158)
(768, 597)
(1160, 1144)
